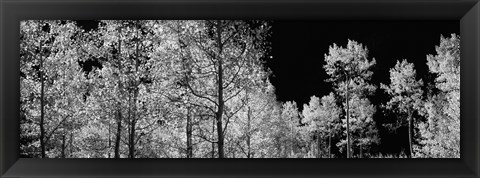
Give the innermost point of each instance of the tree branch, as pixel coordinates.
(202, 106)
(229, 117)
(56, 127)
(238, 92)
(198, 95)
(204, 138)
(234, 76)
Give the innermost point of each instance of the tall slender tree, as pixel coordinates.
(349, 70)
(406, 92)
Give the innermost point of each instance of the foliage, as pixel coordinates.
(350, 71)
(406, 93)
(201, 89)
(320, 116)
(441, 132)
(52, 82)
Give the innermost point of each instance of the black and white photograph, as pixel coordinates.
(239, 89)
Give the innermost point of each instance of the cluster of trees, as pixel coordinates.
(200, 88)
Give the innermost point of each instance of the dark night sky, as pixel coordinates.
(298, 49)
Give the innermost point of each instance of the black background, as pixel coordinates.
(299, 48)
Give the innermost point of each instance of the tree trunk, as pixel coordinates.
(189, 134)
(63, 145)
(213, 136)
(109, 139)
(248, 132)
(135, 84)
(70, 150)
(119, 111)
(118, 134)
(361, 151)
(220, 135)
(348, 119)
(292, 141)
(131, 144)
(410, 134)
(129, 123)
(329, 141)
(318, 145)
(220, 92)
(361, 145)
(64, 140)
(42, 106)
(131, 130)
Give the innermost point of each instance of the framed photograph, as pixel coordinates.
(273, 88)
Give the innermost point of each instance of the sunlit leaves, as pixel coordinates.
(350, 71)
(158, 88)
(404, 88)
(47, 50)
(441, 132)
(320, 117)
(350, 61)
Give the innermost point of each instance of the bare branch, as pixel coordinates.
(229, 37)
(232, 114)
(234, 76)
(204, 138)
(56, 127)
(198, 95)
(241, 148)
(203, 106)
(238, 92)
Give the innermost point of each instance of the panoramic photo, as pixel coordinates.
(239, 89)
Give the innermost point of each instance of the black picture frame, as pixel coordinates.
(466, 11)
